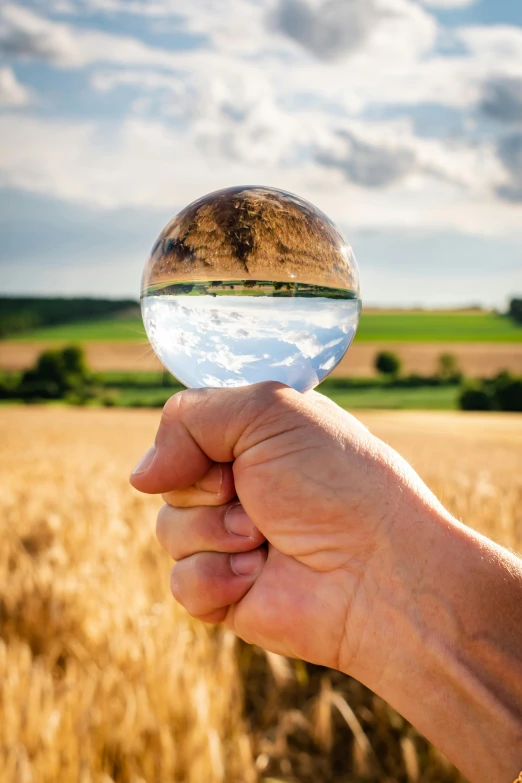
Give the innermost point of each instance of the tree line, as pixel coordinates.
(21, 314)
(503, 392)
(515, 310)
(62, 374)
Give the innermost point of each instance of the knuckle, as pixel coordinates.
(177, 498)
(209, 500)
(271, 408)
(278, 400)
(261, 400)
(175, 585)
(200, 582)
(179, 402)
(170, 533)
(271, 393)
(185, 594)
(170, 408)
(162, 524)
(197, 584)
(215, 617)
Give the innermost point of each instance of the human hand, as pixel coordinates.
(327, 495)
(364, 570)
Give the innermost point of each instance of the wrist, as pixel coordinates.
(441, 642)
(409, 559)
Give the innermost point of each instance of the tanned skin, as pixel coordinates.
(364, 570)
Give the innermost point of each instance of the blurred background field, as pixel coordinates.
(441, 360)
(103, 678)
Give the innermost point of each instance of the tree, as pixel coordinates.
(475, 397)
(388, 363)
(55, 374)
(508, 392)
(503, 393)
(448, 368)
(515, 310)
(73, 359)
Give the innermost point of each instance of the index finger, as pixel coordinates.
(214, 489)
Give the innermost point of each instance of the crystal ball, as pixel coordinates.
(250, 284)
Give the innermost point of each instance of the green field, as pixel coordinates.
(374, 327)
(435, 327)
(154, 388)
(443, 398)
(107, 330)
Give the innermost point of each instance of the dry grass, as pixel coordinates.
(475, 359)
(103, 678)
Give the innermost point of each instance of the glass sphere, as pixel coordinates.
(250, 284)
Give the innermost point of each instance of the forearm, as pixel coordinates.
(451, 660)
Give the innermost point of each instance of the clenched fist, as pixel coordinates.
(296, 527)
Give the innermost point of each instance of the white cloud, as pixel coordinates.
(241, 116)
(26, 35)
(502, 99)
(449, 3)
(221, 90)
(136, 164)
(377, 155)
(496, 47)
(12, 93)
(147, 165)
(283, 105)
(510, 153)
(386, 57)
(150, 8)
(369, 164)
(329, 31)
(382, 28)
(235, 27)
(334, 29)
(148, 80)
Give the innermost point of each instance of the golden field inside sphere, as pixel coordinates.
(252, 233)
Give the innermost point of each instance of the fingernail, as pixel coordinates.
(145, 462)
(238, 522)
(213, 480)
(246, 563)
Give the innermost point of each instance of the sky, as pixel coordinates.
(401, 119)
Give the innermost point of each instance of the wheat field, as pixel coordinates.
(103, 678)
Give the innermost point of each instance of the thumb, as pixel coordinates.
(201, 426)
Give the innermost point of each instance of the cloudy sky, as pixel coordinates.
(401, 119)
